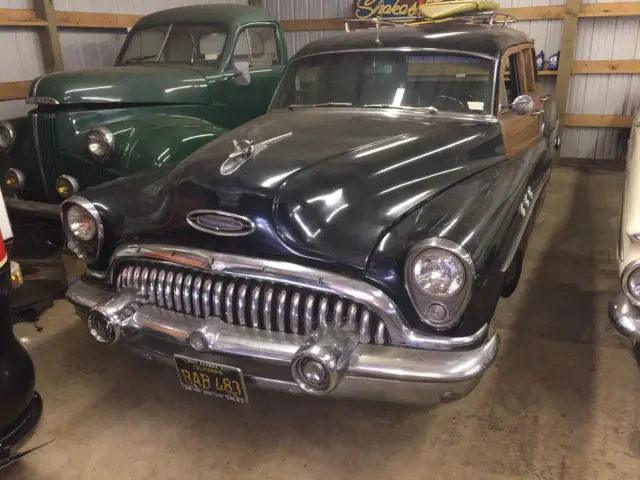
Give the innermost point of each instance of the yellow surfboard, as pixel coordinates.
(445, 9)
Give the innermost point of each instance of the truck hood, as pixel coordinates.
(137, 84)
(323, 183)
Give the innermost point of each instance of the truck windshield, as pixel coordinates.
(436, 81)
(174, 43)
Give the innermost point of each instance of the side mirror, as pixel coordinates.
(241, 73)
(523, 105)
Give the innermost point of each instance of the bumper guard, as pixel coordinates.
(373, 372)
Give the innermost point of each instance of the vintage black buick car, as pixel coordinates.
(355, 240)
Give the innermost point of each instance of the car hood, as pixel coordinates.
(326, 184)
(137, 84)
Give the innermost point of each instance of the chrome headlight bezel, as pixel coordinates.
(20, 179)
(87, 250)
(104, 135)
(11, 131)
(71, 183)
(453, 306)
(627, 273)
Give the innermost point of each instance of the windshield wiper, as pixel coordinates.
(325, 104)
(430, 109)
(139, 58)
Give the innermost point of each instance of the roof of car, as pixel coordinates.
(232, 15)
(451, 35)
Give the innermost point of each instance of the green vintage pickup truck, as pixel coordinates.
(183, 76)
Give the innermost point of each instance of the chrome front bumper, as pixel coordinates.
(373, 372)
(625, 317)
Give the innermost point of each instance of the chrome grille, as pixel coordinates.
(255, 304)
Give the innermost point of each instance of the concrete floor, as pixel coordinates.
(560, 403)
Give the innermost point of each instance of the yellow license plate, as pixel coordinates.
(211, 379)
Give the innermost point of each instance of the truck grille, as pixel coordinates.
(44, 130)
(249, 303)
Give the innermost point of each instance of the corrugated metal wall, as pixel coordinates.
(20, 53)
(598, 39)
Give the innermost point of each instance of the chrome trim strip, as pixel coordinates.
(294, 321)
(242, 302)
(352, 324)
(525, 223)
(282, 301)
(322, 313)
(308, 315)
(228, 302)
(36, 139)
(177, 292)
(152, 285)
(206, 304)
(217, 299)
(168, 288)
(320, 281)
(379, 339)
(195, 294)
(186, 294)
(160, 289)
(266, 312)
(365, 327)
(143, 281)
(337, 314)
(255, 306)
(39, 100)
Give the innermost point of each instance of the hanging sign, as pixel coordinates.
(386, 8)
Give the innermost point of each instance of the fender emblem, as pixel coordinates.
(245, 150)
(217, 222)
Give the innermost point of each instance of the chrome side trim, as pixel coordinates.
(266, 270)
(41, 100)
(523, 228)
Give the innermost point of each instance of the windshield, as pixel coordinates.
(184, 44)
(442, 81)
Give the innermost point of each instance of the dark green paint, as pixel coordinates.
(158, 112)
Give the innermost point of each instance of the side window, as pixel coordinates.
(258, 46)
(510, 77)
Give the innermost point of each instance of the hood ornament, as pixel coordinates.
(245, 150)
(220, 223)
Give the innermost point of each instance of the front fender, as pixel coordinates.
(158, 141)
(476, 214)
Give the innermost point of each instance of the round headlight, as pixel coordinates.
(633, 284)
(81, 224)
(67, 186)
(438, 273)
(7, 136)
(100, 143)
(14, 180)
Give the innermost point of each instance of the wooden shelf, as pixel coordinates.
(597, 120)
(14, 90)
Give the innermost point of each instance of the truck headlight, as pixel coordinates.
(439, 275)
(100, 143)
(67, 186)
(82, 227)
(7, 136)
(13, 180)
